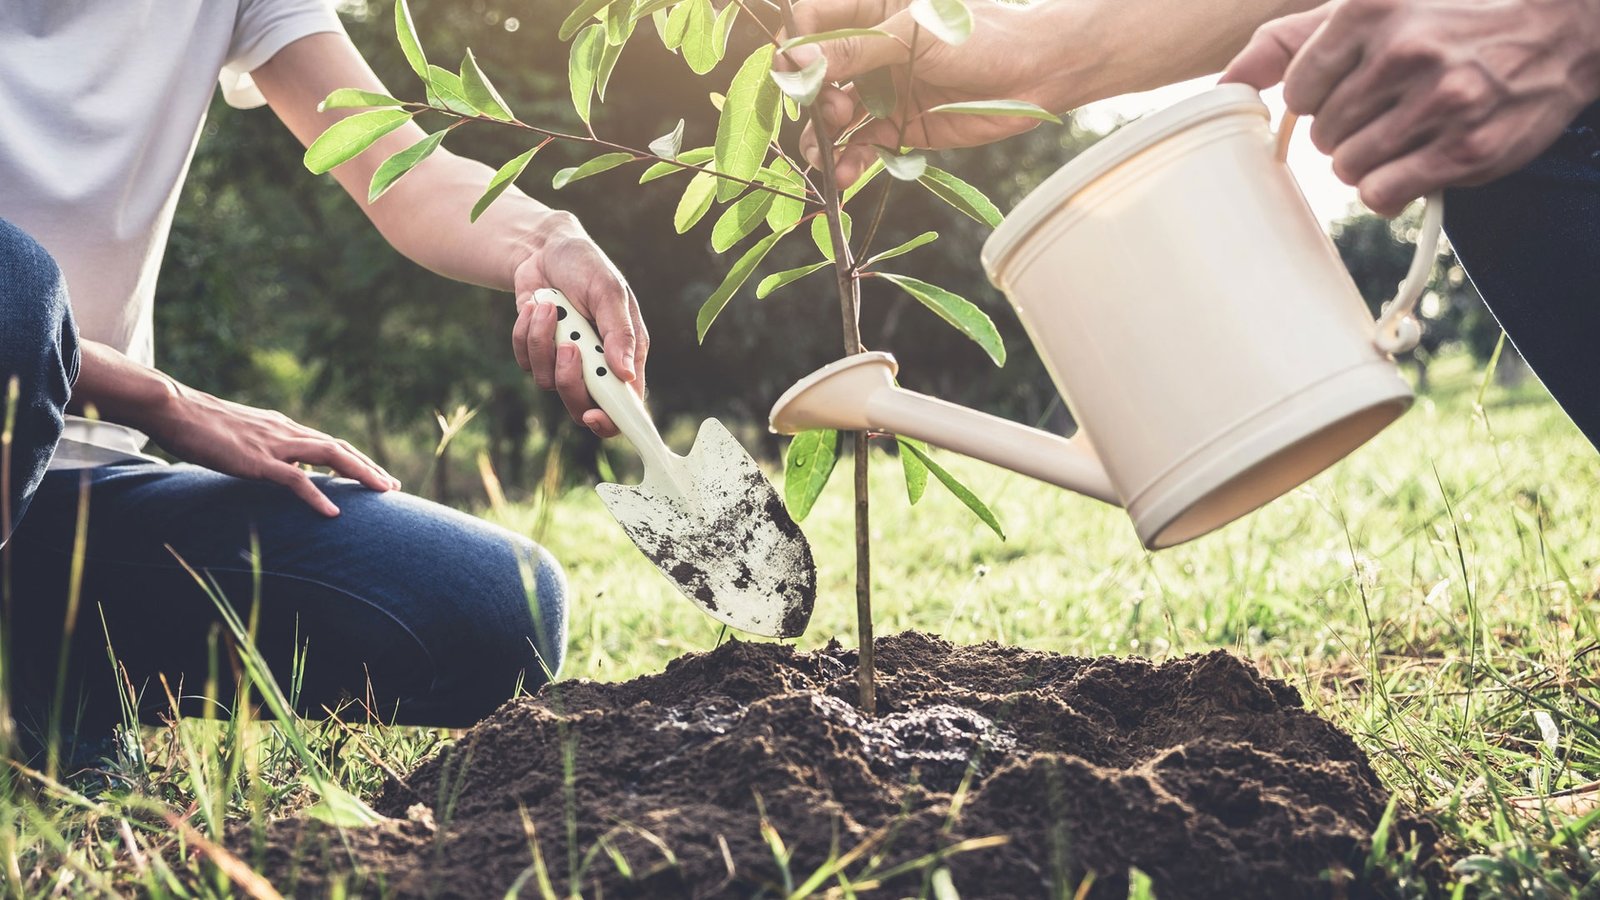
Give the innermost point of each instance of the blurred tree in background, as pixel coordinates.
(277, 292)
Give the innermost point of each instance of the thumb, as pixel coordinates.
(1263, 62)
(854, 56)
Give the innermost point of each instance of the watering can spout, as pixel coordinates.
(858, 393)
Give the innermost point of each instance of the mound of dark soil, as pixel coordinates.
(1210, 778)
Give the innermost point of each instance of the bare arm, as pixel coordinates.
(1059, 54)
(223, 436)
(518, 245)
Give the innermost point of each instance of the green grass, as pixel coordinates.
(1433, 595)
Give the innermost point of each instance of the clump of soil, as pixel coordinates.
(1210, 778)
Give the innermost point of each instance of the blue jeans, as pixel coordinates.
(1531, 244)
(421, 614)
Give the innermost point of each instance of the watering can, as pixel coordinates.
(1192, 313)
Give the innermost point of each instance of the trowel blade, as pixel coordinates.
(720, 532)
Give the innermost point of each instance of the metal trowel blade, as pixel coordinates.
(719, 531)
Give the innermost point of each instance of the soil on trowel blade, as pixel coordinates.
(1210, 778)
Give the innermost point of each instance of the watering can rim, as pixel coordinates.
(1106, 154)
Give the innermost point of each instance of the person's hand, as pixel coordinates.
(1014, 53)
(567, 260)
(246, 442)
(1410, 96)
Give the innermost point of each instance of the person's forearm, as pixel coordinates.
(427, 217)
(1139, 45)
(119, 389)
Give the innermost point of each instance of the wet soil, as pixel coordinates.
(1026, 769)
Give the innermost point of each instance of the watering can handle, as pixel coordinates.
(1398, 329)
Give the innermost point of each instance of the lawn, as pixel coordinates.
(1432, 595)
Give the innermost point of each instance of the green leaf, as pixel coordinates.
(723, 28)
(749, 119)
(399, 164)
(346, 138)
(695, 201)
(740, 219)
(834, 35)
(785, 211)
(958, 311)
(787, 276)
(737, 276)
(659, 20)
(668, 145)
(677, 26)
(806, 467)
(1007, 108)
(927, 237)
(823, 238)
(948, 20)
(609, 54)
(580, 15)
(502, 180)
(409, 45)
(961, 195)
(904, 166)
(582, 67)
(350, 98)
(878, 92)
(602, 163)
(966, 496)
(445, 89)
(873, 171)
(791, 109)
(339, 808)
(700, 38)
(689, 157)
(653, 7)
(480, 93)
(916, 473)
(717, 100)
(802, 86)
(619, 22)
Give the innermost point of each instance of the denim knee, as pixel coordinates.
(518, 636)
(39, 353)
(39, 333)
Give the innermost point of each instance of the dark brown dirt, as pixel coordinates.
(1210, 778)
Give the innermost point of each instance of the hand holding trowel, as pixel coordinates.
(710, 521)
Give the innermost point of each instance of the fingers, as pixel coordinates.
(855, 157)
(1354, 104)
(519, 333)
(851, 57)
(641, 343)
(612, 304)
(1265, 60)
(812, 16)
(540, 344)
(1330, 54)
(340, 457)
(1387, 138)
(575, 396)
(299, 482)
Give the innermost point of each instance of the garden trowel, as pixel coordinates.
(710, 521)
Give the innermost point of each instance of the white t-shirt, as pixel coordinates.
(101, 103)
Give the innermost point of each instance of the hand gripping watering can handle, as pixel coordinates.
(1398, 329)
(610, 393)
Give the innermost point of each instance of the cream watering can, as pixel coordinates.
(1192, 313)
